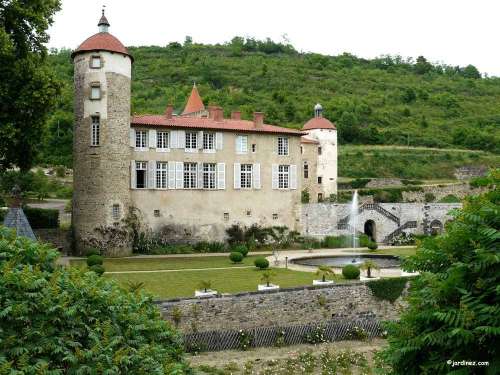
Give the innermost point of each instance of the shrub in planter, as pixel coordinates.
(97, 268)
(236, 257)
(350, 272)
(373, 245)
(94, 260)
(261, 263)
(242, 249)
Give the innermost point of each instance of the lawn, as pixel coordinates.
(173, 263)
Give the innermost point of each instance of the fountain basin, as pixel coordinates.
(339, 261)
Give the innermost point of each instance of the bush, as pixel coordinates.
(242, 249)
(97, 268)
(41, 217)
(389, 289)
(236, 257)
(305, 196)
(429, 197)
(372, 245)
(261, 263)
(92, 251)
(68, 305)
(450, 198)
(94, 260)
(350, 272)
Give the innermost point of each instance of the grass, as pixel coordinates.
(173, 263)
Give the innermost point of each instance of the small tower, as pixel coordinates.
(101, 152)
(324, 132)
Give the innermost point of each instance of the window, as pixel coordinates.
(95, 62)
(249, 213)
(161, 175)
(190, 171)
(246, 176)
(96, 131)
(95, 91)
(301, 149)
(162, 140)
(282, 146)
(191, 140)
(141, 138)
(283, 176)
(319, 151)
(306, 170)
(208, 141)
(254, 148)
(241, 144)
(209, 175)
(275, 216)
(115, 211)
(140, 174)
(226, 216)
(320, 179)
(156, 213)
(320, 197)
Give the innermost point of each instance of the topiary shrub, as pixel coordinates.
(242, 249)
(94, 259)
(92, 251)
(373, 245)
(350, 272)
(97, 268)
(236, 257)
(389, 289)
(261, 263)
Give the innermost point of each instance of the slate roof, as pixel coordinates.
(16, 219)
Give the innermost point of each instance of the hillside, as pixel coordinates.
(388, 100)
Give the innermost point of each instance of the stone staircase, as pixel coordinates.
(370, 206)
(397, 232)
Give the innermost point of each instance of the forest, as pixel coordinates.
(388, 100)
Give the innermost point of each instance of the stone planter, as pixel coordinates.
(203, 294)
(321, 282)
(364, 278)
(403, 273)
(264, 287)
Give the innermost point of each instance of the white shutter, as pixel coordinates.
(181, 139)
(256, 176)
(132, 174)
(274, 176)
(218, 141)
(171, 174)
(237, 175)
(200, 140)
(238, 144)
(132, 137)
(173, 139)
(200, 176)
(152, 138)
(151, 174)
(293, 176)
(221, 176)
(179, 175)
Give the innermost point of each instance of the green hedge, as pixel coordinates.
(389, 195)
(42, 218)
(388, 289)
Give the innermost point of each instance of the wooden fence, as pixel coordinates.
(334, 330)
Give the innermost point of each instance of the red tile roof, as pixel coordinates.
(318, 123)
(308, 140)
(194, 103)
(208, 123)
(102, 42)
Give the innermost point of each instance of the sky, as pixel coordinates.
(458, 32)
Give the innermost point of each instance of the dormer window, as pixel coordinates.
(95, 91)
(95, 62)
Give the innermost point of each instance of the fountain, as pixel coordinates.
(353, 220)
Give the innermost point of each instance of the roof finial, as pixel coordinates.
(103, 22)
(194, 84)
(318, 110)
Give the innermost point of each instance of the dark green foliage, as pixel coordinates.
(454, 306)
(209, 247)
(372, 245)
(389, 289)
(42, 217)
(242, 249)
(389, 195)
(350, 272)
(450, 198)
(429, 197)
(92, 251)
(236, 257)
(261, 263)
(305, 196)
(97, 268)
(94, 259)
(34, 184)
(411, 182)
(359, 183)
(236, 234)
(78, 322)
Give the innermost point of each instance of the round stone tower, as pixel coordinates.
(101, 151)
(325, 132)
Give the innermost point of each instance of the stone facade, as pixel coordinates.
(468, 172)
(286, 307)
(326, 155)
(440, 191)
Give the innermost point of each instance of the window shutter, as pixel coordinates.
(218, 141)
(171, 174)
(256, 176)
(199, 141)
(132, 174)
(179, 174)
(237, 175)
(275, 145)
(151, 174)
(293, 176)
(221, 176)
(275, 176)
(181, 139)
(200, 176)
(152, 138)
(173, 139)
(132, 137)
(238, 144)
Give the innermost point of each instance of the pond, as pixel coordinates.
(383, 261)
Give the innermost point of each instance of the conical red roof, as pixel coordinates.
(194, 103)
(318, 123)
(102, 42)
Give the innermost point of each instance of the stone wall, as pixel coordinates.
(468, 172)
(440, 191)
(286, 307)
(59, 238)
(383, 182)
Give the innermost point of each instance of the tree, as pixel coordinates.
(205, 285)
(470, 71)
(28, 89)
(267, 277)
(422, 66)
(454, 306)
(324, 271)
(369, 265)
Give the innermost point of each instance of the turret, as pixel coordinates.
(101, 152)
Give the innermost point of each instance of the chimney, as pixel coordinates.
(169, 110)
(236, 115)
(211, 111)
(258, 119)
(219, 114)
